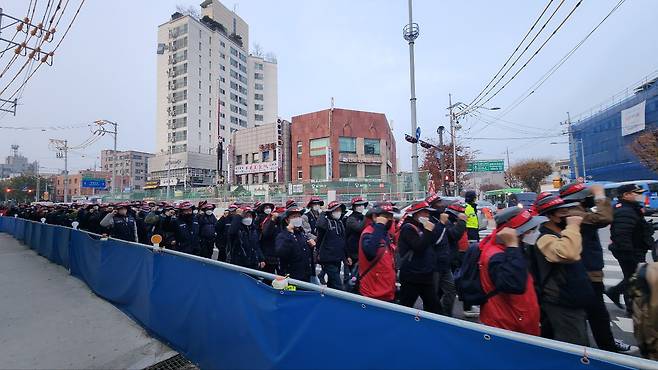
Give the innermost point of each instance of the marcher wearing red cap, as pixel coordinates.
(377, 254)
(293, 247)
(418, 257)
(505, 276)
(185, 227)
(244, 247)
(270, 227)
(354, 225)
(564, 288)
(120, 224)
(331, 243)
(207, 222)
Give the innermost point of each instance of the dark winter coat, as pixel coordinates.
(331, 239)
(243, 248)
(631, 234)
(417, 251)
(295, 254)
(354, 225)
(186, 233)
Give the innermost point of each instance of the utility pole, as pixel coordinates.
(329, 163)
(36, 195)
(573, 149)
(101, 130)
(508, 164)
(454, 145)
(62, 147)
(582, 153)
(441, 164)
(411, 33)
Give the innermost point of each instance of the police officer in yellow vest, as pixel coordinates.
(472, 223)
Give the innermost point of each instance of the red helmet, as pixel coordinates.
(434, 197)
(185, 205)
(335, 205)
(314, 200)
(359, 201)
(551, 203)
(456, 209)
(291, 203)
(208, 206)
(418, 206)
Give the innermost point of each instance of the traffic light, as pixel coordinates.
(410, 139)
(425, 144)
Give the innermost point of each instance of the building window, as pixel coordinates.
(299, 174)
(347, 145)
(371, 146)
(258, 76)
(258, 97)
(259, 107)
(238, 159)
(258, 117)
(318, 147)
(299, 149)
(319, 172)
(373, 171)
(347, 171)
(256, 157)
(266, 156)
(258, 86)
(259, 66)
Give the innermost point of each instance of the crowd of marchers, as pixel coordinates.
(539, 272)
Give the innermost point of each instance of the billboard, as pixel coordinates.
(633, 119)
(242, 169)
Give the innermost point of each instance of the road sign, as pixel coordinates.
(417, 132)
(94, 183)
(497, 165)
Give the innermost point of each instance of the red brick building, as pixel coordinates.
(361, 143)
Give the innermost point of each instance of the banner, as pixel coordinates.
(224, 319)
(633, 119)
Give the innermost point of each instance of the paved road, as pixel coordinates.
(51, 320)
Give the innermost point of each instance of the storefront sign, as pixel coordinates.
(169, 182)
(269, 146)
(359, 160)
(243, 169)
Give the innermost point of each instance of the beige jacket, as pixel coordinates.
(564, 249)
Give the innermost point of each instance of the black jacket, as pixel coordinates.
(294, 254)
(186, 233)
(417, 250)
(207, 227)
(354, 225)
(331, 239)
(631, 234)
(455, 229)
(243, 248)
(269, 231)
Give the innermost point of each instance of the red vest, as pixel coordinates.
(516, 312)
(379, 283)
(463, 243)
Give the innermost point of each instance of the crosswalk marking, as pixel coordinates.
(624, 324)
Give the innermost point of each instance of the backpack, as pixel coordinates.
(643, 322)
(467, 278)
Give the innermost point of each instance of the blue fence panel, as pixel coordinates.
(221, 318)
(61, 246)
(27, 238)
(47, 242)
(19, 229)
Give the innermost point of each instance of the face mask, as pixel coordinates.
(589, 202)
(296, 222)
(563, 223)
(195, 212)
(360, 209)
(336, 215)
(316, 207)
(247, 221)
(423, 219)
(531, 238)
(267, 211)
(209, 212)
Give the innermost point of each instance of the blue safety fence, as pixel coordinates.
(222, 318)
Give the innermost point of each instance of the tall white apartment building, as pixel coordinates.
(263, 97)
(205, 90)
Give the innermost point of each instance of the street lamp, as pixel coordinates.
(582, 153)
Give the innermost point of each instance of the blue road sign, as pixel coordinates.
(94, 183)
(417, 132)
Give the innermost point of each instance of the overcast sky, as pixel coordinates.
(352, 51)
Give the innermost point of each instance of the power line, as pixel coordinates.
(520, 55)
(536, 52)
(515, 50)
(554, 69)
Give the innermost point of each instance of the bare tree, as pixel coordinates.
(645, 147)
(258, 50)
(189, 10)
(532, 172)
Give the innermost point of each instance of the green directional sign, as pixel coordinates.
(497, 165)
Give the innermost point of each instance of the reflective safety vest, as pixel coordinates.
(472, 221)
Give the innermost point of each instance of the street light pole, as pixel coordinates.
(102, 130)
(454, 145)
(410, 33)
(441, 164)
